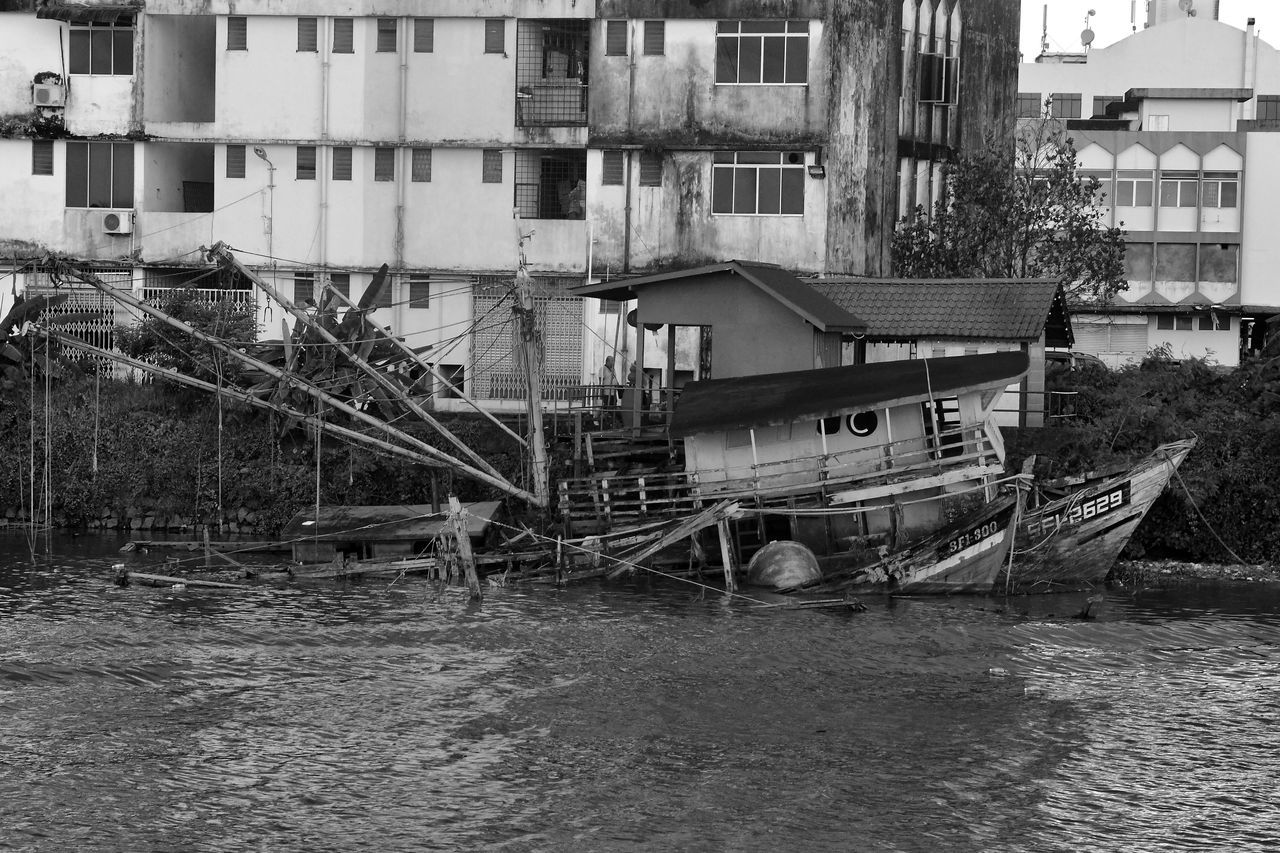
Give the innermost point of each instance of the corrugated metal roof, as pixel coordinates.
(782, 285)
(988, 309)
(742, 402)
(383, 523)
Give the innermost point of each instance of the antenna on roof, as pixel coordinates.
(1044, 31)
(1086, 37)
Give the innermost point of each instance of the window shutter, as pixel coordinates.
(304, 287)
(342, 163)
(237, 33)
(235, 161)
(386, 35)
(421, 165)
(655, 37)
(384, 164)
(424, 35)
(419, 291)
(341, 282)
(344, 35)
(650, 169)
(307, 35)
(615, 38)
(306, 170)
(42, 157)
(495, 33)
(613, 169)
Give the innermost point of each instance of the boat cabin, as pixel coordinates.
(379, 532)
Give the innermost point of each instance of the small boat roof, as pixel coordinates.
(745, 402)
(384, 523)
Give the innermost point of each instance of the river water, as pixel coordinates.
(394, 717)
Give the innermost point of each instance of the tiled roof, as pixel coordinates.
(898, 309)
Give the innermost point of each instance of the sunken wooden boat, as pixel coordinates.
(890, 474)
(1071, 540)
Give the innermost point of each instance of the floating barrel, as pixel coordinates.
(783, 564)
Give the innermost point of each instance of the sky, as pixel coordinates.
(1111, 23)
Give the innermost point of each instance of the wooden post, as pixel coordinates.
(726, 555)
(468, 559)
(530, 359)
(208, 560)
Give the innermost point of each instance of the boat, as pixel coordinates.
(889, 474)
(1073, 530)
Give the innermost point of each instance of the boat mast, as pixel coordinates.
(529, 357)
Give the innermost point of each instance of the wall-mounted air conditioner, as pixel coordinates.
(48, 95)
(117, 222)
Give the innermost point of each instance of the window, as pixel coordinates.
(420, 165)
(749, 52)
(342, 163)
(419, 291)
(424, 35)
(1178, 189)
(1104, 195)
(650, 169)
(384, 164)
(1134, 189)
(386, 35)
(655, 38)
(1101, 102)
(383, 299)
(1182, 322)
(613, 168)
(495, 36)
(551, 184)
(344, 37)
(307, 41)
(1164, 321)
(99, 174)
(491, 169)
(306, 170)
(1220, 189)
(304, 287)
(937, 79)
(456, 374)
(1268, 107)
(1156, 122)
(1064, 105)
(1030, 105)
(41, 157)
(769, 183)
(615, 38)
(341, 282)
(102, 48)
(237, 33)
(1207, 324)
(235, 161)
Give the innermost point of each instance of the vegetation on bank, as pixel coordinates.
(1231, 498)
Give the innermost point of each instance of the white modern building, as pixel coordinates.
(1177, 122)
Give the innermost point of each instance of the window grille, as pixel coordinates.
(762, 52)
(613, 168)
(105, 48)
(42, 157)
(424, 35)
(655, 38)
(419, 291)
(342, 163)
(384, 164)
(344, 37)
(495, 35)
(558, 319)
(307, 41)
(650, 169)
(99, 174)
(552, 59)
(768, 183)
(421, 165)
(386, 35)
(615, 38)
(547, 184)
(491, 169)
(306, 168)
(84, 299)
(237, 33)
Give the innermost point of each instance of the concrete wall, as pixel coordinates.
(180, 77)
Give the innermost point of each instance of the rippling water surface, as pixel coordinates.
(400, 717)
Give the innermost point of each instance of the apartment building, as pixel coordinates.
(320, 140)
(1177, 123)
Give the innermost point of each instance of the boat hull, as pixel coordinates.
(1071, 543)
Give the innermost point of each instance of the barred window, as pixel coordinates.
(765, 183)
(384, 164)
(615, 38)
(421, 166)
(491, 171)
(419, 291)
(344, 36)
(342, 163)
(762, 52)
(42, 157)
(237, 33)
(306, 169)
(307, 41)
(495, 35)
(102, 48)
(613, 168)
(655, 38)
(650, 169)
(386, 35)
(424, 35)
(235, 161)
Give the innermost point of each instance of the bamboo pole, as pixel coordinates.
(726, 555)
(458, 520)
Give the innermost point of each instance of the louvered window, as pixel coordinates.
(342, 163)
(613, 169)
(306, 169)
(650, 169)
(235, 161)
(495, 32)
(655, 38)
(424, 35)
(237, 33)
(304, 287)
(419, 291)
(491, 171)
(41, 157)
(421, 166)
(384, 164)
(615, 38)
(341, 282)
(307, 42)
(344, 39)
(386, 35)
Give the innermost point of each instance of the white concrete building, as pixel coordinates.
(322, 139)
(1177, 122)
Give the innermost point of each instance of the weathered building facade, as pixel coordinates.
(322, 139)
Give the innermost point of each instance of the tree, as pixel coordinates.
(1029, 215)
(156, 341)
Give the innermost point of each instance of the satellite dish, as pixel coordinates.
(1185, 5)
(1086, 37)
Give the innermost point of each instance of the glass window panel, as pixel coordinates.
(1184, 323)
(122, 52)
(100, 174)
(764, 26)
(774, 60)
(744, 191)
(1187, 194)
(100, 51)
(306, 168)
(1211, 194)
(1230, 191)
(797, 26)
(722, 189)
(78, 44)
(1164, 321)
(773, 157)
(491, 167)
(1168, 193)
(797, 60)
(726, 26)
(723, 157)
(1124, 193)
(341, 282)
(419, 291)
(727, 60)
(650, 169)
(77, 174)
(1142, 192)
(749, 60)
(122, 174)
(770, 191)
(793, 191)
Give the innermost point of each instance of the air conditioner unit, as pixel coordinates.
(117, 222)
(48, 95)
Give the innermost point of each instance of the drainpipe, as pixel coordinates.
(404, 156)
(325, 26)
(626, 219)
